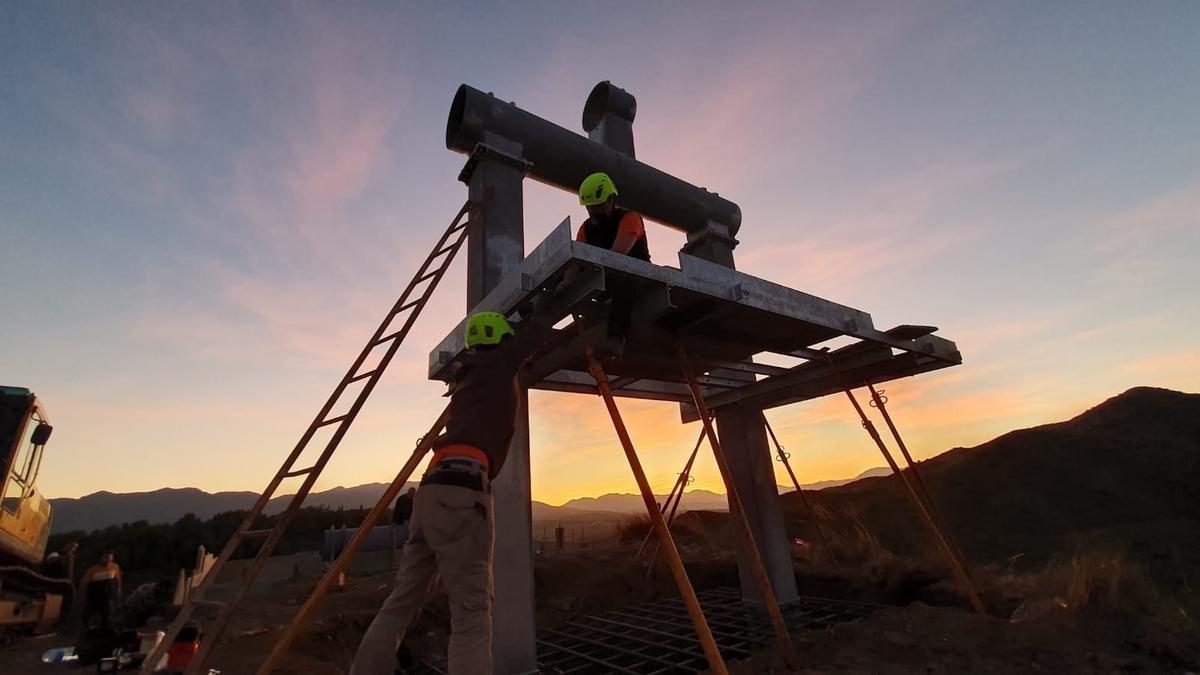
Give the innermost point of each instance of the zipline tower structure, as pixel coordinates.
(696, 332)
(705, 310)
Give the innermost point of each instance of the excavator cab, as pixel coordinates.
(24, 515)
(26, 596)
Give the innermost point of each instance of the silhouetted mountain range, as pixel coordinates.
(101, 509)
(695, 500)
(1134, 458)
(1127, 469)
(167, 505)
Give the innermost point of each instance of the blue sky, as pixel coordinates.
(205, 209)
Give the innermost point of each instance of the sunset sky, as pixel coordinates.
(205, 209)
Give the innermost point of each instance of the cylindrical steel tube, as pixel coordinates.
(562, 158)
(608, 99)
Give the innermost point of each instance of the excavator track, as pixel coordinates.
(25, 593)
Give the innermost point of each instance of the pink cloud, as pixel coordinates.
(1169, 212)
(883, 232)
(1179, 368)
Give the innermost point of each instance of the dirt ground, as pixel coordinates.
(923, 639)
(914, 637)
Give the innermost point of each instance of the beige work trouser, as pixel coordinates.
(451, 535)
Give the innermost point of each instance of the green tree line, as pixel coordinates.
(161, 548)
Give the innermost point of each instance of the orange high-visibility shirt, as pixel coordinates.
(631, 223)
(100, 572)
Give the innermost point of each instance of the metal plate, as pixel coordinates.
(720, 315)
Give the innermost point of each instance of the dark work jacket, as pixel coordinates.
(603, 232)
(403, 509)
(483, 402)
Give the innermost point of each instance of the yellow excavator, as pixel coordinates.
(28, 598)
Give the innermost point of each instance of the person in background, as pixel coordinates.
(101, 591)
(61, 564)
(402, 511)
(401, 514)
(147, 600)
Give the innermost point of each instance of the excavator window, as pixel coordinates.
(23, 466)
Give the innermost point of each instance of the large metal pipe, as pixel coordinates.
(562, 158)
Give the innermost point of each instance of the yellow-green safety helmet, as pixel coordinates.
(487, 328)
(596, 189)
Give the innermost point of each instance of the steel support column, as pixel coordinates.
(494, 176)
(514, 625)
(744, 439)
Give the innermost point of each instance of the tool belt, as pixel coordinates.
(472, 481)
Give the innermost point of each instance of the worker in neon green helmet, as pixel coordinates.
(451, 530)
(616, 229)
(608, 225)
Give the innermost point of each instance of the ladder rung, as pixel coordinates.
(444, 249)
(414, 303)
(361, 376)
(389, 337)
(332, 420)
(428, 276)
(298, 472)
(251, 534)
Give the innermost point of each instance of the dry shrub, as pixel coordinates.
(1103, 579)
(848, 535)
(633, 528)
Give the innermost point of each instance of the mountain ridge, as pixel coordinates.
(1121, 468)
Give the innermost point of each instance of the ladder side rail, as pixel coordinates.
(289, 514)
(186, 612)
(360, 536)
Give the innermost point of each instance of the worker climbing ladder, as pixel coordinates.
(386, 338)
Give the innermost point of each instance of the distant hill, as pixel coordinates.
(624, 502)
(101, 509)
(1131, 462)
(694, 500)
(821, 485)
(167, 505)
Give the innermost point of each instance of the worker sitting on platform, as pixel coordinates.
(451, 530)
(612, 227)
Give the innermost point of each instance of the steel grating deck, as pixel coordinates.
(657, 638)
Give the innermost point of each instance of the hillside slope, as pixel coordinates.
(1131, 461)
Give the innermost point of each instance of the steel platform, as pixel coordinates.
(722, 317)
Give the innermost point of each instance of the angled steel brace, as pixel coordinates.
(739, 517)
(711, 652)
(957, 566)
(783, 457)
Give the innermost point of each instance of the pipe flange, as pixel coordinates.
(483, 151)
